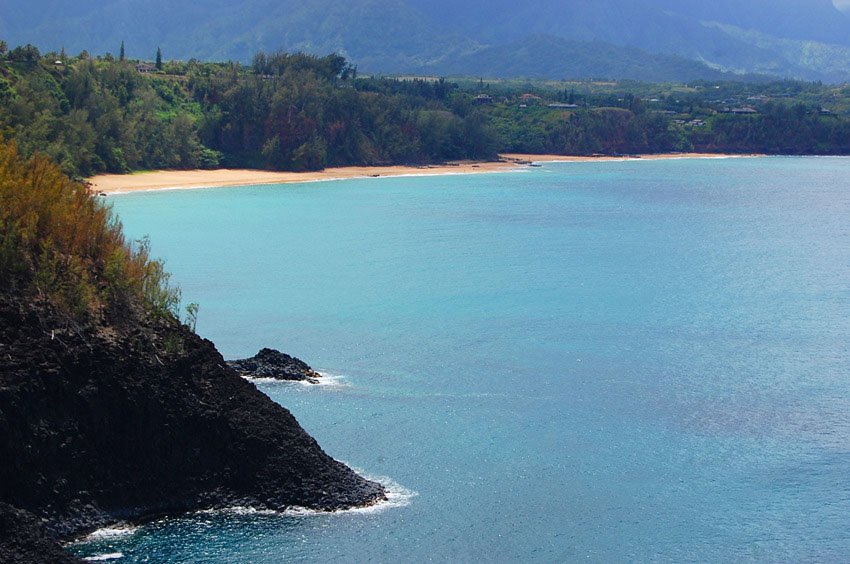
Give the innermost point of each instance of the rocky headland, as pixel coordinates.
(129, 420)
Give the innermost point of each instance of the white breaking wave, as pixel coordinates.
(104, 557)
(327, 380)
(237, 510)
(332, 380)
(397, 496)
(254, 380)
(113, 532)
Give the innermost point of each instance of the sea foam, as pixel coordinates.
(113, 532)
(237, 510)
(397, 496)
(327, 380)
(104, 557)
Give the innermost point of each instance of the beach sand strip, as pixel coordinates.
(185, 179)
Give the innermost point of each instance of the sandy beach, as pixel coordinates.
(186, 179)
(178, 179)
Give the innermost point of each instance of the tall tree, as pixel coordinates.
(121, 52)
(158, 59)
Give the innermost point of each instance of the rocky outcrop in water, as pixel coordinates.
(270, 363)
(102, 423)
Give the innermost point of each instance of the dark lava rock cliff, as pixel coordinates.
(108, 422)
(270, 363)
(23, 540)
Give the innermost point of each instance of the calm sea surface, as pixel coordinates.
(622, 361)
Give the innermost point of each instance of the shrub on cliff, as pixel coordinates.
(58, 242)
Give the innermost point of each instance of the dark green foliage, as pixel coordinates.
(610, 118)
(158, 59)
(607, 131)
(300, 112)
(295, 112)
(25, 54)
(331, 67)
(96, 116)
(780, 129)
(417, 87)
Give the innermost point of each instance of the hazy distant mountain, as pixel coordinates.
(708, 31)
(553, 38)
(546, 56)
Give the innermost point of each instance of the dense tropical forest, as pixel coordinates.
(303, 112)
(585, 118)
(293, 112)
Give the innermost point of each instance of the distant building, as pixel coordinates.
(145, 68)
(483, 99)
(562, 106)
(745, 110)
(528, 98)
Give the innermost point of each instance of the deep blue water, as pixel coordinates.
(622, 361)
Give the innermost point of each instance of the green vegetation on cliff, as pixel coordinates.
(59, 243)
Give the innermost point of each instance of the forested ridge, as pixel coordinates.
(294, 112)
(777, 128)
(302, 112)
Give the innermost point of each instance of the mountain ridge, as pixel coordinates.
(436, 36)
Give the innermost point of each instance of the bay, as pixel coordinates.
(640, 360)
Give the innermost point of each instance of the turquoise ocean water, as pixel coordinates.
(622, 361)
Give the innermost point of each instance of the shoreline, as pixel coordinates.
(517, 157)
(228, 177)
(111, 184)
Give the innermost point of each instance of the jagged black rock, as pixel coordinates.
(271, 363)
